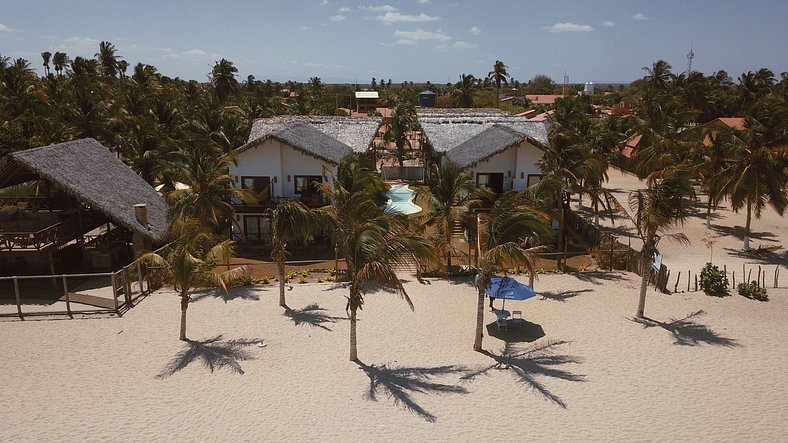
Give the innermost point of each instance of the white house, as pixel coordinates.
(286, 157)
(498, 149)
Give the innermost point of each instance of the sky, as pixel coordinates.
(347, 41)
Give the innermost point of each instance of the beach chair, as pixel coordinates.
(501, 322)
(517, 318)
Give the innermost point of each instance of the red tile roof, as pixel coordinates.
(543, 99)
(731, 122)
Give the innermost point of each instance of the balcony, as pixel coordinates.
(313, 201)
(25, 230)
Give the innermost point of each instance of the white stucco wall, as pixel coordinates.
(264, 160)
(520, 159)
(274, 159)
(527, 156)
(295, 163)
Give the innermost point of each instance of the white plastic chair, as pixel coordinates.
(517, 318)
(502, 326)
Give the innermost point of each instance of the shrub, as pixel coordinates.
(753, 291)
(713, 281)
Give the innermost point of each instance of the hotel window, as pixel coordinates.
(307, 185)
(261, 186)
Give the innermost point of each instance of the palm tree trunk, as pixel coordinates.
(708, 211)
(184, 307)
(448, 247)
(353, 342)
(747, 226)
(643, 288)
(477, 344)
(280, 267)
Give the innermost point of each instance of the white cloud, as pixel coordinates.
(191, 56)
(303, 28)
(475, 30)
(392, 17)
(570, 27)
(639, 17)
(382, 8)
(423, 2)
(4, 28)
(608, 24)
(344, 9)
(463, 45)
(337, 18)
(324, 2)
(420, 35)
(75, 44)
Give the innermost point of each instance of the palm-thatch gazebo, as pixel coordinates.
(55, 199)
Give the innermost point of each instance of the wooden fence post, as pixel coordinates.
(696, 282)
(114, 291)
(68, 301)
(139, 279)
(676, 287)
(759, 275)
(19, 298)
(689, 280)
(734, 279)
(749, 276)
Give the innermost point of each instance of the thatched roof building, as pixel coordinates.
(449, 128)
(497, 138)
(89, 172)
(356, 133)
(308, 140)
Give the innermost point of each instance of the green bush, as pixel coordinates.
(713, 281)
(753, 291)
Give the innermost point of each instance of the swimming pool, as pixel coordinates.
(401, 200)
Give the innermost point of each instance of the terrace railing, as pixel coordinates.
(50, 236)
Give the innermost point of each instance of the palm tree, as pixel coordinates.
(403, 121)
(223, 79)
(449, 190)
(291, 220)
(509, 222)
(462, 94)
(755, 174)
(60, 60)
(499, 75)
(210, 189)
(374, 242)
(188, 262)
(664, 205)
(108, 58)
(46, 56)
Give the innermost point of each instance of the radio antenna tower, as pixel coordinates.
(566, 83)
(690, 56)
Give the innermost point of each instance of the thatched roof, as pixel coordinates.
(305, 138)
(355, 132)
(92, 174)
(497, 138)
(448, 128)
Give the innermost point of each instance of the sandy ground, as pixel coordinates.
(726, 230)
(704, 369)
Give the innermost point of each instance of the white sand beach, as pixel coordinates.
(700, 368)
(708, 369)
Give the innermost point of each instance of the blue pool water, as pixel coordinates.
(401, 201)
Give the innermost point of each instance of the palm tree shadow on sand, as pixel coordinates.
(399, 383)
(528, 365)
(213, 353)
(312, 315)
(687, 332)
(248, 293)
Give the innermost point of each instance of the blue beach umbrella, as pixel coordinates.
(508, 288)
